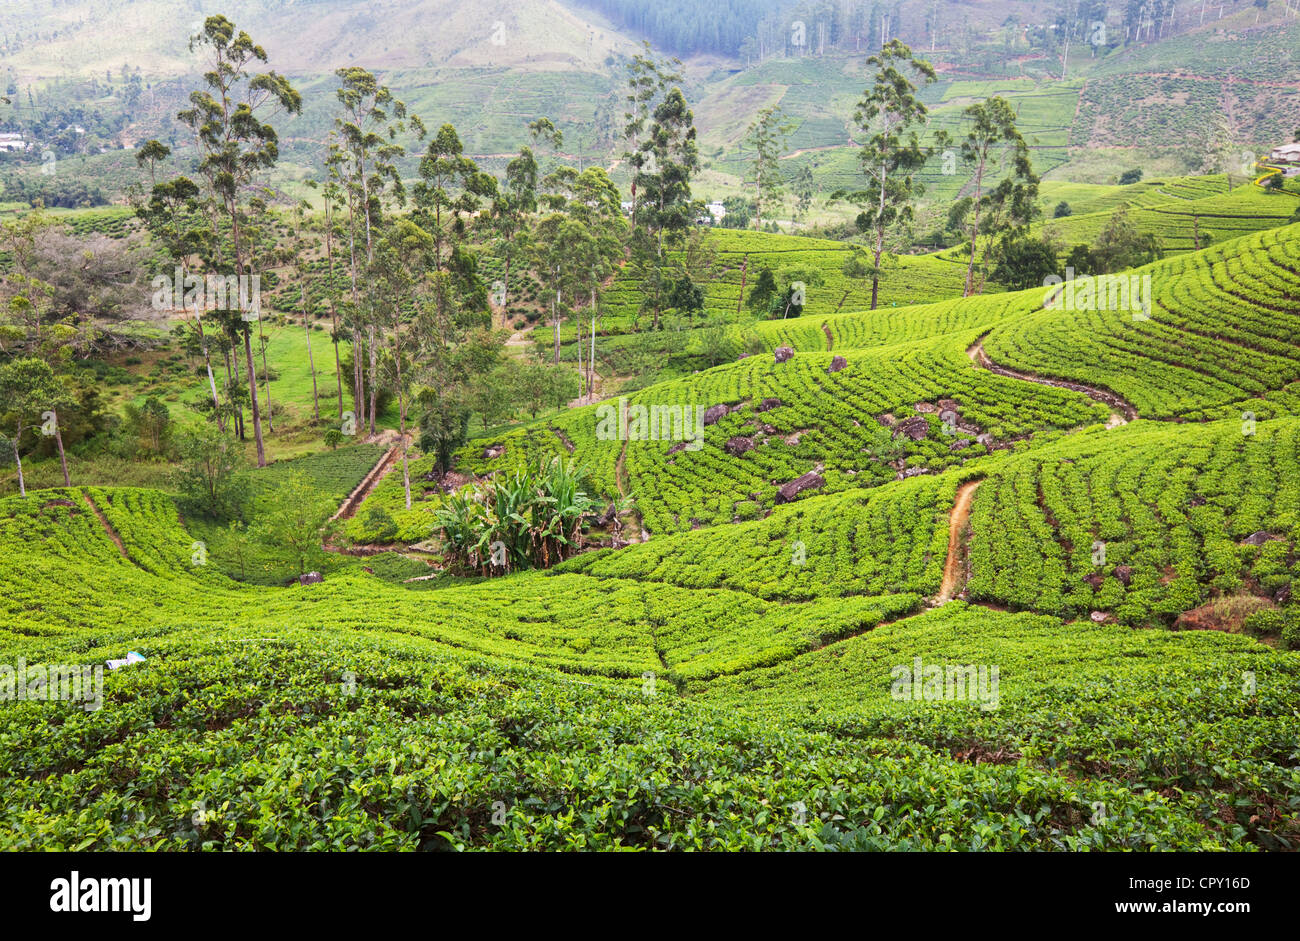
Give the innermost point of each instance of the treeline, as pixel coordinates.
(53, 192)
(689, 26)
(755, 30)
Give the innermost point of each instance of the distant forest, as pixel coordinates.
(689, 26)
(756, 29)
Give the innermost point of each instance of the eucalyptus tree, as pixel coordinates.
(648, 81)
(28, 386)
(889, 115)
(369, 126)
(664, 209)
(512, 209)
(236, 142)
(450, 189)
(333, 197)
(402, 258)
(173, 215)
(581, 244)
(992, 142)
(298, 247)
(769, 137)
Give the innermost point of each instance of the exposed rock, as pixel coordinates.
(949, 405)
(809, 481)
(767, 405)
(918, 429)
(886, 419)
(1259, 538)
(1124, 573)
(925, 408)
(1100, 617)
(960, 444)
(311, 578)
(738, 445)
(608, 516)
(915, 472)
(493, 451)
(1283, 595)
(837, 363)
(1095, 579)
(986, 440)
(1197, 500)
(679, 446)
(783, 354)
(715, 412)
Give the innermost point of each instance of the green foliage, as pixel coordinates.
(1217, 342)
(294, 523)
(531, 519)
(1145, 522)
(212, 478)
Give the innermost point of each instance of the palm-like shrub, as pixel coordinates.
(533, 518)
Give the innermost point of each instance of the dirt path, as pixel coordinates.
(954, 574)
(108, 527)
(1122, 412)
(371, 480)
(520, 337)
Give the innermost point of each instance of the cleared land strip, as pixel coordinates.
(957, 522)
(1126, 412)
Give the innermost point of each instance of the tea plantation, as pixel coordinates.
(730, 678)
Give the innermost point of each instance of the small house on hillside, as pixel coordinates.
(12, 143)
(1287, 153)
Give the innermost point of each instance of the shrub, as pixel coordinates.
(533, 519)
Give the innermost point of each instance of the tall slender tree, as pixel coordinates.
(992, 141)
(236, 142)
(371, 121)
(890, 114)
(769, 137)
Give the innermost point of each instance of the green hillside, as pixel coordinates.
(954, 514)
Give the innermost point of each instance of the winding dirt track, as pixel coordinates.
(1123, 412)
(954, 567)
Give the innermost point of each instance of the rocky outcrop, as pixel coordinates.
(738, 445)
(918, 429)
(715, 412)
(809, 481)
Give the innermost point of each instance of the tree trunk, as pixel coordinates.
(880, 236)
(555, 320)
(22, 485)
(248, 344)
(311, 359)
(63, 458)
(334, 310)
(252, 391)
(401, 407)
(975, 229)
(266, 374)
(744, 270)
(374, 380)
(212, 382)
